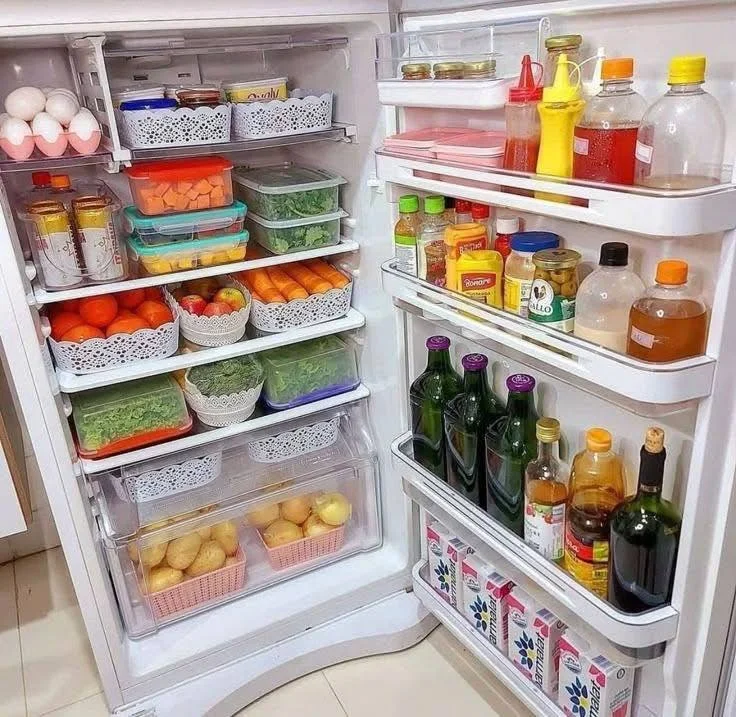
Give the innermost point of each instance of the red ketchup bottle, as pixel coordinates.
(522, 121)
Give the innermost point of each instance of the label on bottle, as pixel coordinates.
(549, 308)
(482, 286)
(642, 338)
(431, 258)
(588, 564)
(544, 528)
(516, 294)
(405, 251)
(580, 145)
(643, 152)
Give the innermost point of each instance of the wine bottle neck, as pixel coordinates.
(438, 360)
(476, 382)
(651, 472)
(519, 404)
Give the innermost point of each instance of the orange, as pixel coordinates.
(81, 333)
(62, 321)
(130, 299)
(126, 325)
(124, 314)
(68, 305)
(155, 313)
(153, 293)
(98, 311)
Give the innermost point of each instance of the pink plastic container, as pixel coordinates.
(300, 551)
(421, 142)
(18, 151)
(480, 149)
(194, 592)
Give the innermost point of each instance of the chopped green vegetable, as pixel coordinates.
(225, 377)
(288, 239)
(295, 205)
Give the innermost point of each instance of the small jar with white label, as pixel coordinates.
(555, 286)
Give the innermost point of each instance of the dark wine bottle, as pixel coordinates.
(645, 532)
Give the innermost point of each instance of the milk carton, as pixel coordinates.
(611, 687)
(499, 588)
(547, 632)
(446, 554)
(574, 693)
(522, 644)
(475, 597)
(455, 553)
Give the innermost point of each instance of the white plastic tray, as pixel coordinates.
(451, 94)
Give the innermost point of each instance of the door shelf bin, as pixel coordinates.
(641, 636)
(647, 385)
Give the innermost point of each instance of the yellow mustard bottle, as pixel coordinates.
(461, 238)
(559, 111)
(479, 274)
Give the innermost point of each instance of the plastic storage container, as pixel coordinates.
(482, 149)
(308, 371)
(179, 185)
(287, 191)
(420, 142)
(273, 88)
(290, 235)
(129, 415)
(175, 228)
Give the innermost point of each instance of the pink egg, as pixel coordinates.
(52, 149)
(85, 146)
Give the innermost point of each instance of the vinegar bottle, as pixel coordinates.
(522, 122)
(405, 234)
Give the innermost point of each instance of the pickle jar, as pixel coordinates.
(481, 70)
(555, 286)
(416, 71)
(449, 71)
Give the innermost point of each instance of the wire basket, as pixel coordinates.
(290, 444)
(221, 410)
(300, 551)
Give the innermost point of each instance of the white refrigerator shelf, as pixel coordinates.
(654, 212)
(640, 382)
(529, 693)
(448, 94)
(640, 635)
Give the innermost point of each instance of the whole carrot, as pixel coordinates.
(288, 288)
(263, 286)
(313, 283)
(327, 272)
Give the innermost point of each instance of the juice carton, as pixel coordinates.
(499, 588)
(574, 692)
(611, 687)
(547, 632)
(522, 644)
(446, 554)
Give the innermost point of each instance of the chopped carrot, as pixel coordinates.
(203, 187)
(203, 202)
(193, 204)
(155, 205)
(192, 194)
(161, 188)
(216, 180)
(263, 286)
(146, 192)
(181, 203)
(183, 187)
(170, 197)
(313, 283)
(217, 196)
(327, 272)
(288, 288)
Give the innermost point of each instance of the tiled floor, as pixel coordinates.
(46, 666)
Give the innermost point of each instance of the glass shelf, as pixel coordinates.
(68, 160)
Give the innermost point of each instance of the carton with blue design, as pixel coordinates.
(446, 553)
(548, 629)
(574, 692)
(522, 642)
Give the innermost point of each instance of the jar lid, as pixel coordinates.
(672, 272)
(598, 440)
(614, 253)
(462, 206)
(520, 383)
(548, 430)
(534, 241)
(449, 67)
(415, 67)
(507, 225)
(60, 181)
(617, 68)
(480, 66)
(438, 343)
(434, 205)
(409, 203)
(198, 95)
(480, 211)
(475, 362)
(560, 42)
(159, 103)
(556, 258)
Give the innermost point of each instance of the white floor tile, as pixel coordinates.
(11, 673)
(90, 707)
(57, 660)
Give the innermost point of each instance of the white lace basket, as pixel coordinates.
(96, 355)
(168, 480)
(141, 129)
(290, 444)
(212, 330)
(304, 111)
(221, 410)
(315, 309)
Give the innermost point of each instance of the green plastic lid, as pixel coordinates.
(409, 203)
(434, 205)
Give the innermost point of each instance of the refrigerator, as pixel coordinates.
(369, 593)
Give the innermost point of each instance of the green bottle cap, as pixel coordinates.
(409, 203)
(434, 205)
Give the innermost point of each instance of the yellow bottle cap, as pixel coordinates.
(686, 69)
(598, 440)
(562, 91)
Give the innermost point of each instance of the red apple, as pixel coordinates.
(193, 303)
(206, 287)
(232, 297)
(217, 308)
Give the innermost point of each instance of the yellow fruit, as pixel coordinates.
(161, 578)
(211, 557)
(226, 534)
(153, 554)
(181, 551)
(231, 560)
(281, 532)
(314, 527)
(262, 517)
(205, 533)
(295, 509)
(332, 508)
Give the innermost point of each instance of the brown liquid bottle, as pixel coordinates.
(670, 322)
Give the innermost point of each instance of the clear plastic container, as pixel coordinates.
(309, 371)
(283, 237)
(420, 142)
(681, 138)
(179, 185)
(481, 149)
(129, 415)
(176, 228)
(287, 191)
(605, 297)
(273, 88)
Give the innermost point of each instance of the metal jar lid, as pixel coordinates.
(479, 66)
(449, 67)
(556, 258)
(415, 68)
(562, 41)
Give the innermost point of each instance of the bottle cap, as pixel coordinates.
(41, 179)
(507, 225)
(598, 440)
(653, 455)
(654, 439)
(60, 181)
(462, 206)
(534, 241)
(520, 383)
(409, 203)
(593, 86)
(614, 253)
(480, 211)
(438, 343)
(475, 362)
(560, 41)
(528, 89)
(686, 69)
(672, 272)
(617, 68)
(562, 91)
(434, 205)
(548, 430)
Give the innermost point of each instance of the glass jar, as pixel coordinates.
(416, 71)
(518, 274)
(560, 45)
(449, 71)
(481, 70)
(555, 286)
(199, 98)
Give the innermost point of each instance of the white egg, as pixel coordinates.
(61, 91)
(62, 107)
(3, 116)
(25, 103)
(46, 126)
(84, 124)
(15, 130)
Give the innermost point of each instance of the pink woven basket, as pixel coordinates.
(285, 556)
(197, 591)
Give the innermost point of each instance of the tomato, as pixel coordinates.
(62, 322)
(81, 333)
(98, 311)
(154, 313)
(130, 299)
(126, 325)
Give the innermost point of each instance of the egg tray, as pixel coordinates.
(306, 549)
(57, 148)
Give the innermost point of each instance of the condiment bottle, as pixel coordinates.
(481, 214)
(681, 138)
(479, 274)
(559, 111)
(405, 234)
(555, 286)
(670, 322)
(518, 273)
(605, 137)
(505, 226)
(461, 238)
(431, 254)
(462, 212)
(605, 297)
(567, 45)
(522, 121)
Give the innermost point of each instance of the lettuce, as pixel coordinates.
(225, 377)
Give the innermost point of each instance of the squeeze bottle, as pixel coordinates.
(559, 111)
(522, 121)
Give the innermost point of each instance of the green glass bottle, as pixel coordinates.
(510, 444)
(645, 533)
(428, 396)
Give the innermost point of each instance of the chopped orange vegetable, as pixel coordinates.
(170, 197)
(263, 285)
(203, 201)
(161, 188)
(192, 194)
(327, 272)
(203, 187)
(181, 203)
(155, 205)
(313, 283)
(183, 187)
(217, 196)
(287, 287)
(216, 180)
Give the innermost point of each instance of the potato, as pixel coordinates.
(153, 554)
(296, 509)
(210, 557)
(281, 532)
(161, 578)
(230, 560)
(182, 551)
(333, 508)
(226, 534)
(205, 533)
(313, 527)
(262, 517)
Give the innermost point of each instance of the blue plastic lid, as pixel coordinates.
(183, 222)
(155, 103)
(534, 241)
(218, 243)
